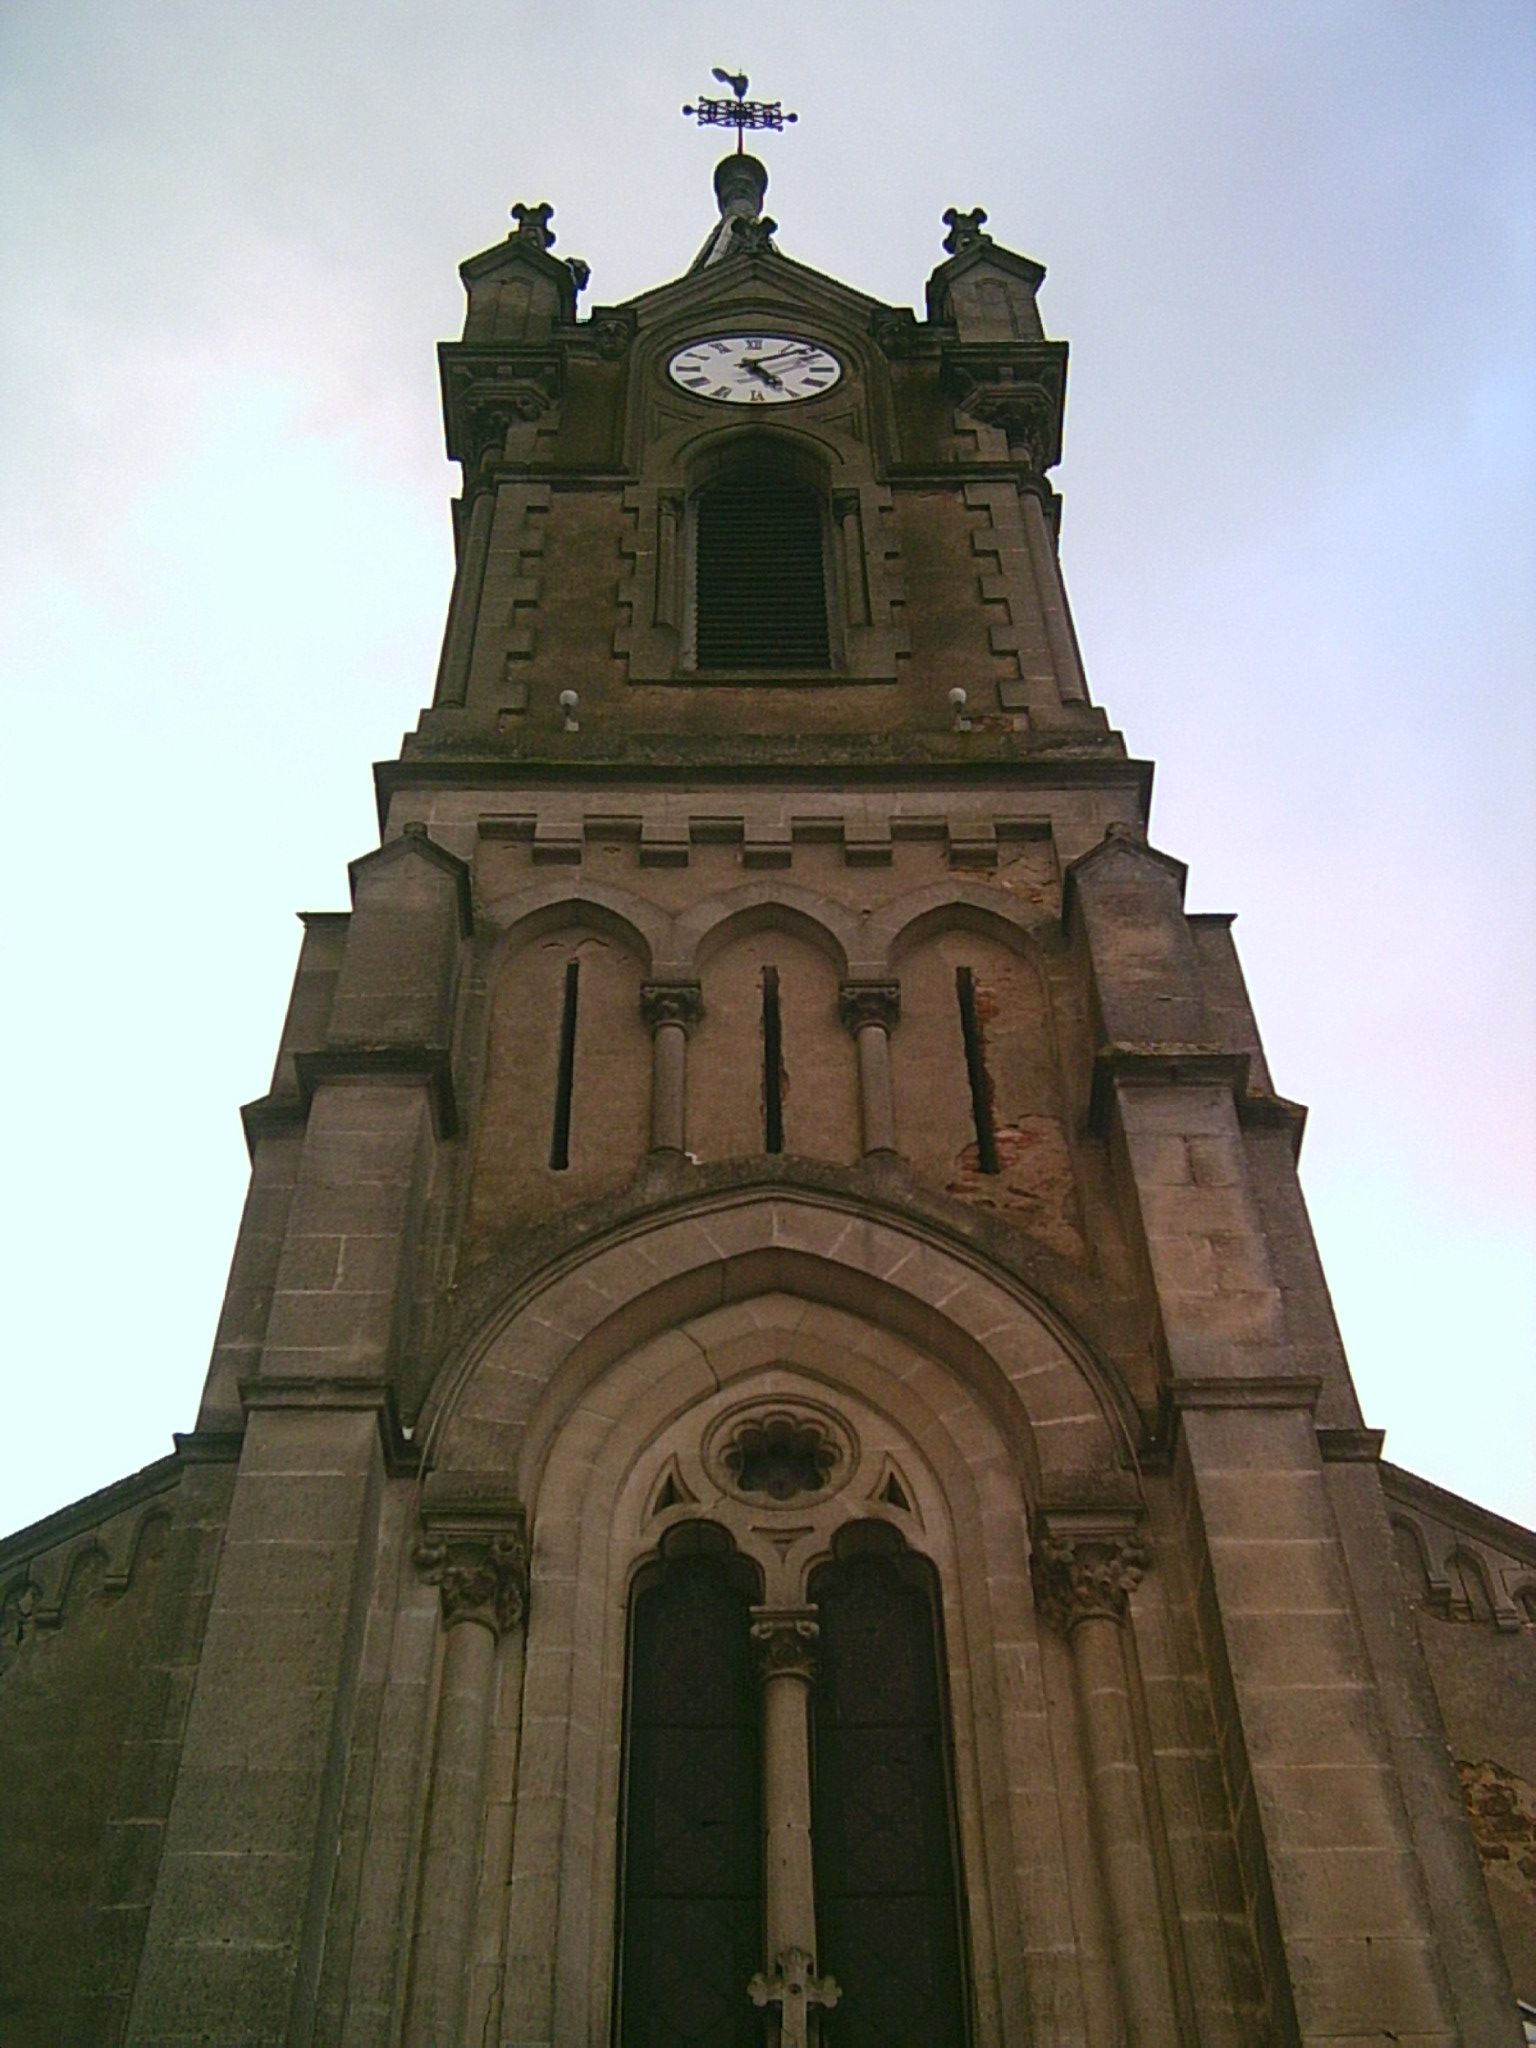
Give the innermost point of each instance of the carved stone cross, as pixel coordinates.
(795, 1991)
(964, 228)
(533, 223)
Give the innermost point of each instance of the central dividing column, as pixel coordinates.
(869, 1009)
(785, 1641)
(671, 1009)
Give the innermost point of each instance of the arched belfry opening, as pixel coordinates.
(762, 593)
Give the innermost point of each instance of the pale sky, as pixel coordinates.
(1292, 247)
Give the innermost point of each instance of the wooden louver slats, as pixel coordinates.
(761, 593)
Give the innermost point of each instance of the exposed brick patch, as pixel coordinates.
(1503, 1811)
(1034, 1181)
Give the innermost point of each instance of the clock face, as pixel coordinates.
(754, 369)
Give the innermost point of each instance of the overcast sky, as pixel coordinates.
(1292, 247)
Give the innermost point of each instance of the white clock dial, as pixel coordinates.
(754, 369)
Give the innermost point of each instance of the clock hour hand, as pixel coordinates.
(753, 365)
(784, 354)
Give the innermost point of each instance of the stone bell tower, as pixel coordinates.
(777, 1467)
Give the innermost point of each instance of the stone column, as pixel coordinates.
(481, 1571)
(785, 1641)
(869, 1009)
(671, 1009)
(1085, 1566)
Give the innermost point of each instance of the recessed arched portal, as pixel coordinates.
(637, 1387)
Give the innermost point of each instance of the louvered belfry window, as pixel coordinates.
(760, 585)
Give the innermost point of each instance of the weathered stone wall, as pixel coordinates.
(1471, 1580)
(75, 1630)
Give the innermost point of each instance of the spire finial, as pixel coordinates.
(533, 223)
(965, 229)
(739, 113)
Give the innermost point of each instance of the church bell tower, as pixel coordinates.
(777, 1468)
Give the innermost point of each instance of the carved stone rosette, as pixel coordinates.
(481, 1575)
(1086, 1577)
(784, 1643)
(671, 1002)
(869, 1002)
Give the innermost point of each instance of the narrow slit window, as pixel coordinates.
(976, 1071)
(773, 1064)
(565, 1073)
(760, 574)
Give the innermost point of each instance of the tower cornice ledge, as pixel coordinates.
(861, 764)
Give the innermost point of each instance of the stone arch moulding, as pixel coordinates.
(1068, 1420)
(758, 905)
(636, 924)
(654, 1409)
(949, 906)
(678, 456)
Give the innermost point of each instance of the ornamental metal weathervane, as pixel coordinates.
(739, 113)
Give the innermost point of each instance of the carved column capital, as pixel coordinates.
(1086, 1574)
(784, 1642)
(481, 1574)
(869, 1002)
(671, 1002)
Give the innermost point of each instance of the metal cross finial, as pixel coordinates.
(739, 113)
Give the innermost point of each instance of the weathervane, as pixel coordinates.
(739, 113)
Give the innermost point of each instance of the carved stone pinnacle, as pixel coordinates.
(533, 223)
(964, 228)
(1086, 1578)
(753, 237)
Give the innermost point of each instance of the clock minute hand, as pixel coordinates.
(779, 355)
